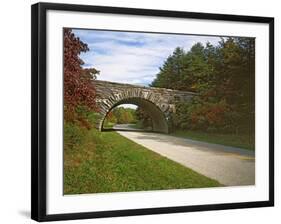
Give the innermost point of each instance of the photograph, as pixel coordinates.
(148, 111)
(153, 111)
(132, 112)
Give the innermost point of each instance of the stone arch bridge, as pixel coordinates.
(159, 103)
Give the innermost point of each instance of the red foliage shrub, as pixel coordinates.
(78, 87)
(209, 114)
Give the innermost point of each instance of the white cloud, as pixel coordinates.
(133, 58)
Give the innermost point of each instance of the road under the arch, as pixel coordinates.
(229, 165)
(159, 122)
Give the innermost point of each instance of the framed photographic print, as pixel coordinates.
(139, 111)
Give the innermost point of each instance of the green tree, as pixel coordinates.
(169, 75)
(223, 76)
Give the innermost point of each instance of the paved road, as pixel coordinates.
(126, 127)
(228, 165)
(129, 127)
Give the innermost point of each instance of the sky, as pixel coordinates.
(132, 57)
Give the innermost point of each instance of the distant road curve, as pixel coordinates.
(126, 127)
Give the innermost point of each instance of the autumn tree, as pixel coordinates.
(143, 117)
(79, 91)
(124, 115)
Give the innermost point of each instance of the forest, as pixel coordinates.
(120, 115)
(222, 75)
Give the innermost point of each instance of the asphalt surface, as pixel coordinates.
(229, 165)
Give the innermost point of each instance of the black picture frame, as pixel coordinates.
(39, 122)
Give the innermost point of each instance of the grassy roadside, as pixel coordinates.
(109, 162)
(241, 141)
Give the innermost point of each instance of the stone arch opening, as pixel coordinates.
(159, 121)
